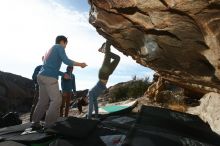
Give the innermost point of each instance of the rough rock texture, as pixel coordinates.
(209, 110)
(180, 39)
(16, 93)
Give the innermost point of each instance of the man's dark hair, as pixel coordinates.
(61, 38)
(69, 68)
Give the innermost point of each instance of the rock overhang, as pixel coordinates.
(178, 39)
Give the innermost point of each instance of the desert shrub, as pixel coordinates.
(119, 94)
(137, 89)
(132, 89)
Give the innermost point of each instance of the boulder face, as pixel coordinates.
(179, 39)
(16, 93)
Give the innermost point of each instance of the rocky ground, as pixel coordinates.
(171, 97)
(141, 101)
(208, 110)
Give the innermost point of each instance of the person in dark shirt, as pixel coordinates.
(68, 89)
(34, 76)
(36, 88)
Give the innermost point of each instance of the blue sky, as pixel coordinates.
(29, 27)
(78, 5)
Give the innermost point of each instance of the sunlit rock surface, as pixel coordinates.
(180, 39)
(209, 110)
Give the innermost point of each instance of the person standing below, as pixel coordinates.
(36, 89)
(49, 94)
(68, 89)
(105, 71)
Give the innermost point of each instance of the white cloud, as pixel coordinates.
(29, 27)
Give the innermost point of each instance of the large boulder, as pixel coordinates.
(180, 39)
(209, 110)
(16, 93)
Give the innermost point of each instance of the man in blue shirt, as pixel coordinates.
(68, 89)
(49, 94)
(105, 71)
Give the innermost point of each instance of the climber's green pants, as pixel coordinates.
(108, 66)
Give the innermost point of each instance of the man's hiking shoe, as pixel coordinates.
(37, 126)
